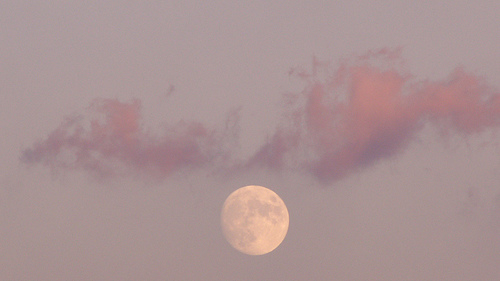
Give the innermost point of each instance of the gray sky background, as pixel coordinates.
(206, 86)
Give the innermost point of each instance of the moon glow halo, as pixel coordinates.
(254, 220)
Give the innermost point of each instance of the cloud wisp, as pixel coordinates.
(345, 119)
(112, 142)
(366, 109)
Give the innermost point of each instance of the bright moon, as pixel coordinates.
(254, 220)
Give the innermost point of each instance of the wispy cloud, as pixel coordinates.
(367, 109)
(347, 117)
(113, 141)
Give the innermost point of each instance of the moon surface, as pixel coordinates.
(254, 220)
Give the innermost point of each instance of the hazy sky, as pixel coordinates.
(126, 124)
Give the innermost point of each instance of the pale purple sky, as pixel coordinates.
(126, 124)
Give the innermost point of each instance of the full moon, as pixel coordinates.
(254, 220)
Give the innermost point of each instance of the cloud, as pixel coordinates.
(346, 118)
(114, 141)
(366, 109)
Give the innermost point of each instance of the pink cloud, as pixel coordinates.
(346, 119)
(115, 140)
(360, 113)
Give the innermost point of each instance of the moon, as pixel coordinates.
(254, 220)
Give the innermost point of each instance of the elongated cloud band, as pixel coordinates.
(114, 141)
(345, 119)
